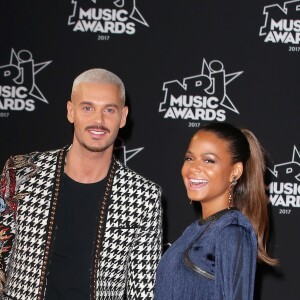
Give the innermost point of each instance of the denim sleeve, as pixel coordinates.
(236, 253)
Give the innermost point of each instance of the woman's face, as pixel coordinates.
(207, 170)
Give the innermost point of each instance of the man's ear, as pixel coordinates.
(124, 116)
(70, 111)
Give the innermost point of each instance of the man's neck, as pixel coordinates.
(87, 166)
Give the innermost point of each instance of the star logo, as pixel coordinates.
(22, 71)
(200, 97)
(289, 170)
(123, 154)
(127, 5)
(281, 23)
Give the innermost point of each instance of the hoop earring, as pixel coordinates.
(231, 186)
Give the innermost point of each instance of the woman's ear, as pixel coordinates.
(237, 171)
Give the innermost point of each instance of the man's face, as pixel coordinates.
(97, 111)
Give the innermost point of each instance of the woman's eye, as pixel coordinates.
(187, 158)
(209, 161)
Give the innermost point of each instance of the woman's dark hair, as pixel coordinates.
(249, 194)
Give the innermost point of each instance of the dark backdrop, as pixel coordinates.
(184, 63)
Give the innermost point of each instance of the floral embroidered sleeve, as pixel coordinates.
(10, 180)
(7, 214)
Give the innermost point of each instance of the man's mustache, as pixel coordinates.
(102, 128)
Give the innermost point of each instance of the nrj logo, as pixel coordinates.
(284, 189)
(200, 97)
(282, 24)
(106, 17)
(18, 89)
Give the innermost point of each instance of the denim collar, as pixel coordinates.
(216, 216)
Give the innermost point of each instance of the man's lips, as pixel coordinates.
(97, 130)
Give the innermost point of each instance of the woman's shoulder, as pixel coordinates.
(235, 219)
(236, 232)
(191, 228)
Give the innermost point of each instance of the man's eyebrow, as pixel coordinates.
(93, 103)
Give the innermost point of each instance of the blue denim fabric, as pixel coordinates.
(227, 250)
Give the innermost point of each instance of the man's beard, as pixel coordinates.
(95, 149)
(91, 148)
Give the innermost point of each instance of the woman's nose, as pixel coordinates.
(196, 167)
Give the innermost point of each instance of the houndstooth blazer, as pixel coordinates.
(129, 234)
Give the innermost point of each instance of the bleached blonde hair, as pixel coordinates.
(99, 76)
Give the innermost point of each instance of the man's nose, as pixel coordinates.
(99, 117)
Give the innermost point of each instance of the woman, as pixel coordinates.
(215, 258)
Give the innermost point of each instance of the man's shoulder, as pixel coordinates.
(19, 169)
(36, 154)
(130, 175)
(20, 161)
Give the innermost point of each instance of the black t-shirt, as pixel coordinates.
(69, 275)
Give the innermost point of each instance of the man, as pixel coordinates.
(75, 223)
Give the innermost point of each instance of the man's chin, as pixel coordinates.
(94, 148)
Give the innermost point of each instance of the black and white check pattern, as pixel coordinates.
(27, 255)
(132, 239)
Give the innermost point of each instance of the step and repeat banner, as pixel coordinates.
(184, 63)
